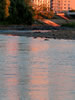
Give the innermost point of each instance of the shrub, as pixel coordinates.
(43, 12)
(47, 15)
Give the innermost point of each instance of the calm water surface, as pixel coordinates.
(36, 69)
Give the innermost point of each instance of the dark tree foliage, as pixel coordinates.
(2, 10)
(20, 12)
(27, 1)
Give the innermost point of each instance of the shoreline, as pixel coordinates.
(43, 31)
(34, 27)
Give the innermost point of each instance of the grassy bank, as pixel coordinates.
(69, 24)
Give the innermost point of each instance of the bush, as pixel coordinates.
(43, 12)
(47, 15)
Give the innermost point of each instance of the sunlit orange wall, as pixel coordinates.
(72, 4)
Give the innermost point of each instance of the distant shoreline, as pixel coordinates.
(36, 31)
(34, 27)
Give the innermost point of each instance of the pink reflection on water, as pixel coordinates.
(39, 46)
(39, 85)
(51, 82)
(11, 70)
(39, 73)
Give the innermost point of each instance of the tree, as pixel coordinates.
(7, 4)
(2, 10)
(42, 11)
(27, 1)
(20, 12)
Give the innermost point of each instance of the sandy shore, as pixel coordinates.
(43, 31)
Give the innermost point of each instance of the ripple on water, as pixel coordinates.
(34, 69)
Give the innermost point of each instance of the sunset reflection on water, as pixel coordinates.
(36, 69)
(39, 72)
(11, 69)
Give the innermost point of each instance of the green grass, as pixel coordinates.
(69, 24)
(4, 23)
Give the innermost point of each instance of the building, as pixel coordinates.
(55, 5)
(73, 4)
(60, 5)
(41, 3)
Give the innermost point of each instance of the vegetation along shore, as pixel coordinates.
(43, 31)
(18, 17)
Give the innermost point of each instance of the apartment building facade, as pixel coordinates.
(60, 5)
(55, 5)
(42, 3)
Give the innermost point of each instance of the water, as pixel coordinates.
(36, 69)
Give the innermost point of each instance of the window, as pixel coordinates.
(64, 7)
